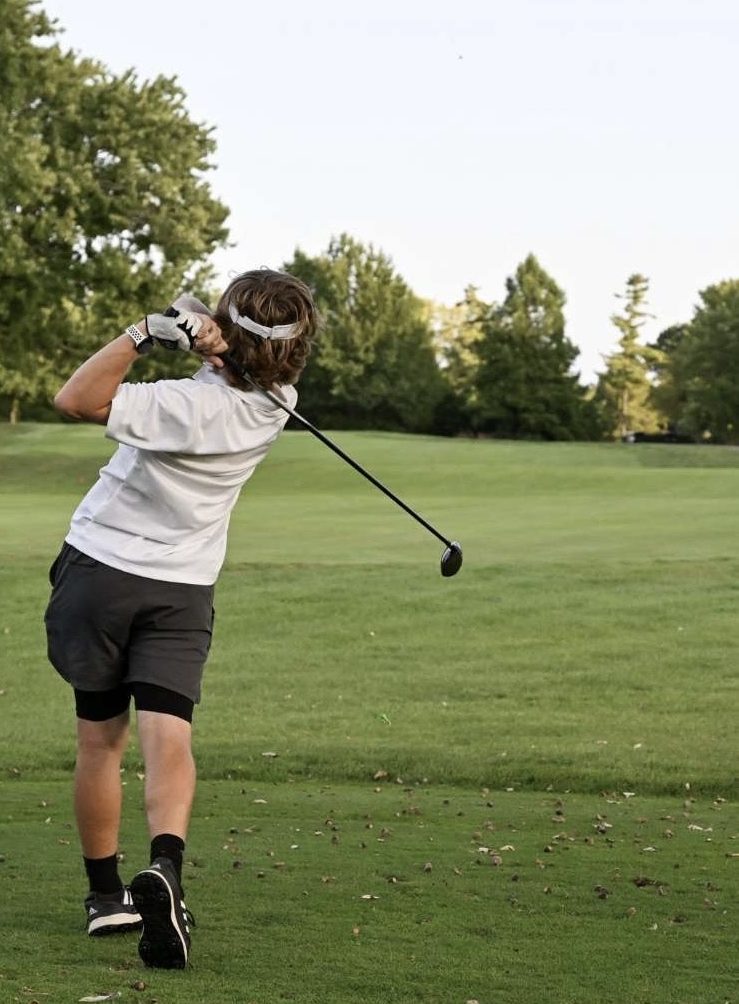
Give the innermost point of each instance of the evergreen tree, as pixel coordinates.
(457, 332)
(624, 391)
(524, 384)
(668, 393)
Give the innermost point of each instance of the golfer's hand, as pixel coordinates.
(175, 329)
(209, 341)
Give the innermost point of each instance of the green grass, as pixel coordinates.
(278, 886)
(586, 649)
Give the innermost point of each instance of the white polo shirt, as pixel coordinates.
(162, 504)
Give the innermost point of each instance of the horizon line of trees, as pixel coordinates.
(389, 360)
(106, 210)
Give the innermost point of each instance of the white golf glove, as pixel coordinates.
(174, 329)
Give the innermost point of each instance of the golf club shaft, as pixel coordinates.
(230, 361)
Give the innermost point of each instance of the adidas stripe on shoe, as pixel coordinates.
(157, 895)
(106, 915)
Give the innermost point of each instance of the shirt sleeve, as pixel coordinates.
(182, 416)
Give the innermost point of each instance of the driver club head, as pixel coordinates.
(451, 559)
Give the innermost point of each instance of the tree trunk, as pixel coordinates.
(15, 411)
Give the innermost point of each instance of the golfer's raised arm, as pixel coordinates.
(89, 392)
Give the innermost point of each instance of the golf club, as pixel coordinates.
(451, 559)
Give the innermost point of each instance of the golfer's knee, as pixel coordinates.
(102, 739)
(164, 738)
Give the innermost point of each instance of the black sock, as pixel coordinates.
(102, 874)
(167, 845)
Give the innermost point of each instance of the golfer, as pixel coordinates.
(131, 610)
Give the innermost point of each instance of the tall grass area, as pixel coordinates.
(574, 688)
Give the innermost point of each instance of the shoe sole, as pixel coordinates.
(162, 946)
(106, 929)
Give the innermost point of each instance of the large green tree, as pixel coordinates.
(624, 391)
(524, 383)
(703, 366)
(104, 207)
(374, 364)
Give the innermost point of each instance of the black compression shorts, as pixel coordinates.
(102, 705)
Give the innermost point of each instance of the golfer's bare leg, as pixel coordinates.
(97, 783)
(170, 771)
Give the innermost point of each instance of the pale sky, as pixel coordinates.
(458, 137)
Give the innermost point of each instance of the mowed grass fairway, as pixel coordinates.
(512, 786)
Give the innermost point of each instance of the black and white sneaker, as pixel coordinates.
(158, 896)
(108, 914)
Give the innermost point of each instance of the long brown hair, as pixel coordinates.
(269, 298)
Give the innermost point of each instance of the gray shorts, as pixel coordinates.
(106, 627)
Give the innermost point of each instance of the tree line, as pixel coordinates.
(106, 210)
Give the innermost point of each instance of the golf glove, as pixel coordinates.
(174, 329)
